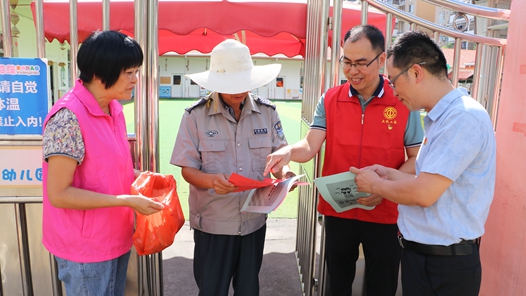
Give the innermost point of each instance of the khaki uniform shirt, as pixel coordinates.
(211, 140)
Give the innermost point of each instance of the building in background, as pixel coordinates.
(452, 19)
(419, 8)
(472, 25)
(458, 21)
(466, 65)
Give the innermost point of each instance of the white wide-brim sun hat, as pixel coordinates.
(232, 71)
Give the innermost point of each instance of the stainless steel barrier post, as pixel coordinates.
(26, 268)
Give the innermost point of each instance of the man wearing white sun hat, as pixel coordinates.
(229, 131)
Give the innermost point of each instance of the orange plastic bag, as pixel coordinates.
(155, 232)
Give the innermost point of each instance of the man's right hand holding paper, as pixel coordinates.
(374, 199)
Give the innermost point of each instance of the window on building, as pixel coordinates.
(177, 80)
(279, 82)
(442, 17)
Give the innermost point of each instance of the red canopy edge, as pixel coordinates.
(204, 40)
(269, 27)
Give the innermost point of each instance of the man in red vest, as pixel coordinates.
(363, 124)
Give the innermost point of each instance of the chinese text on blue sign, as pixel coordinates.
(24, 96)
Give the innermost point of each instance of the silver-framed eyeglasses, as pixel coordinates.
(346, 65)
(391, 83)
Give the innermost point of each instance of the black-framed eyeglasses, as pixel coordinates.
(346, 65)
(391, 83)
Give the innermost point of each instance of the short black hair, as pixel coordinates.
(413, 47)
(372, 33)
(105, 54)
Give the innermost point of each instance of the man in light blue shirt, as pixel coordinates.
(442, 210)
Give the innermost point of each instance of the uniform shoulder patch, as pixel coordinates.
(196, 104)
(265, 102)
(279, 130)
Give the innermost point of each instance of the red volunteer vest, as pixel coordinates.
(362, 139)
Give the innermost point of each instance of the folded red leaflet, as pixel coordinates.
(244, 183)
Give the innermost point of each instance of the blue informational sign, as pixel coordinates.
(24, 95)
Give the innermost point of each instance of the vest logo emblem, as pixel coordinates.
(390, 113)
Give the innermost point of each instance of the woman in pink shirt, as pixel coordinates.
(88, 212)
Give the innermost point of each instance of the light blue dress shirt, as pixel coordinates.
(459, 144)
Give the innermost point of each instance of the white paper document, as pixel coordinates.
(340, 191)
(266, 199)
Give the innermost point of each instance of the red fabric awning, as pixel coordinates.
(267, 26)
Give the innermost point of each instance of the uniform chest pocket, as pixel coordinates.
(213, 156)
(259, 149)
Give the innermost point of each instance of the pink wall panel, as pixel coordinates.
(503, 246)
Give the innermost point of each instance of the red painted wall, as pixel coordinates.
(503, 246)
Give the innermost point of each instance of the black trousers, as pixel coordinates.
(424, 275)
(221, 259)
(381, 250)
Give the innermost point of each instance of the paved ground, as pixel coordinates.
(279, 273)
